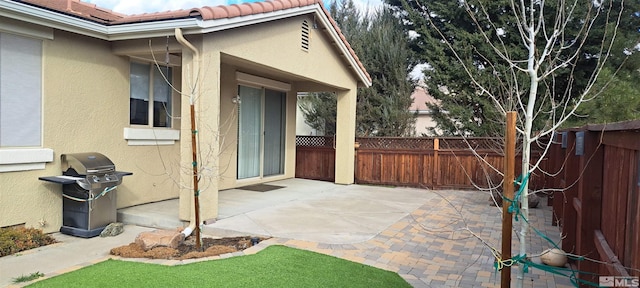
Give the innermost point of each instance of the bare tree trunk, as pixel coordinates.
(524, 209)
(526, 150)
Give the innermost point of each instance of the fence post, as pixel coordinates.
(589, 201)
(569, 213)
(436, 163)
(356, 170)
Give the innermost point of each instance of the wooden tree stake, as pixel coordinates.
(507, 218)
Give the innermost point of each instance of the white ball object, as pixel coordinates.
(554, 257)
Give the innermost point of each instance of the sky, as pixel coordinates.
(147, 6)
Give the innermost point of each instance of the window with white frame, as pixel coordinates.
(20, 91)
(21, 102)
(150, 98)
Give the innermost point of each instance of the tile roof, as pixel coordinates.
(420, 99)
(78, 8)
(91, 12)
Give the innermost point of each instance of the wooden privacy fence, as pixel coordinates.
(436, 163)
(598, 207)
(427, 162)
(315, 158)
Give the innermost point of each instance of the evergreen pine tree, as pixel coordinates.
(381, 45)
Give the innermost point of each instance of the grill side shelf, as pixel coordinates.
(60, 179)
(71, 179)
(123, 173)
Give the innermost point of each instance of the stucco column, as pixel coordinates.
(345, 136)
(204, 81)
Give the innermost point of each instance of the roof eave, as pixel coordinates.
(150, 29)
(229, 23)
(362, 74)
(47, 18)
(56, 20)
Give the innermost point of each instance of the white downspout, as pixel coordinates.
(196, 57)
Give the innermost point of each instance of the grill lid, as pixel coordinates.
(86, 164)
(96, 170)
(91, 171)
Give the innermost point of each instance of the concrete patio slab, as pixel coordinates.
(422, 235)
(319, 212)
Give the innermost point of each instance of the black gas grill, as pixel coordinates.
(89, 181)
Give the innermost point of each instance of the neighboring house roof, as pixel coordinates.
(116, 26)
(420, 99)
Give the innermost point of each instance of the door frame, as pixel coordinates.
(282, 128)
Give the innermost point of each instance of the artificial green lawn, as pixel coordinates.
(275, 266)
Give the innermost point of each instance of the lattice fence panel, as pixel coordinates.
(315, 141)
(492, 144)
(395, 143)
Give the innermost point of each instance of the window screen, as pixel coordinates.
(20, 91)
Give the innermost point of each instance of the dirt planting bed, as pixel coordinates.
(187, 250)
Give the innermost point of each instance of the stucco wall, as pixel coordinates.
(268, 50)
(277, 45)
(228, 127)
(85, 109)
(423, 123)
(202, 77)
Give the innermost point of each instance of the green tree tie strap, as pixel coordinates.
(514, 207)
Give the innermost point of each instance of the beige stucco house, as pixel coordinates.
(424, 120)
(78, 78)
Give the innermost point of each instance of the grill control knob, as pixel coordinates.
(107, 178)
(96, 178)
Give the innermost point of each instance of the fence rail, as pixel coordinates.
(436, 163)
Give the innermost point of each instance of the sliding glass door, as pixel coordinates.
(273, 133)
(249, 132)
(261, 134)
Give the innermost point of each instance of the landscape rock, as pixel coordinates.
(159, 238)
(112, 229)
(554, 257)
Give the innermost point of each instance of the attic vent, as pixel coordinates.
(305, 35)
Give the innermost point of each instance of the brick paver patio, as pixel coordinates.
(429, 249)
